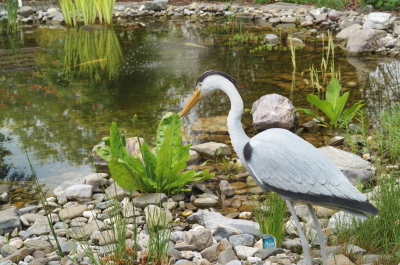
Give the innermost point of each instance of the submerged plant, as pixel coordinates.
(333, 106)
(159, 172)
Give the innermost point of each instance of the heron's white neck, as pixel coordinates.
(236, 132)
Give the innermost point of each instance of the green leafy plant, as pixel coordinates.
(333, 106)
(159, 172)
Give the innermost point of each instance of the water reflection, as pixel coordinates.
(91, 51)
(64, 104)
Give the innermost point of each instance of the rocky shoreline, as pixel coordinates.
(212, 223)
(360, 32)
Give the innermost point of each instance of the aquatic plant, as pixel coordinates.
(159, 172)
(11, 24)
(270, 216)
(333, 106)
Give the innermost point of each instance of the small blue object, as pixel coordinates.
(268, 241)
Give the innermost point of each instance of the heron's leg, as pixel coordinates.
(321, 237)
(304, 241)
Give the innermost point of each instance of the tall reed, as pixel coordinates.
(12, 14)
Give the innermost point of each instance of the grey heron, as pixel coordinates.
(283, 162)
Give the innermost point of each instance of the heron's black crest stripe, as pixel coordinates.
(240, 87)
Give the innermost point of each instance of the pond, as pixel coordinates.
(60, 89)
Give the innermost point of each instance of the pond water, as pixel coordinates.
(60, 89)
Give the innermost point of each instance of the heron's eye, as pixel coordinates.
(200, 84)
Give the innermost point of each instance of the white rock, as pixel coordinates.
(79, 192)
(244, 252)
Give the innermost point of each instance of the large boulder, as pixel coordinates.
(351, 165)
(363, 41)
(156, 5)
(274, 111)
(345, 33)
(379, 20)
(207, 150)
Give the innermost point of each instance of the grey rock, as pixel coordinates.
(156, 5)
(241, 240)
(212, 219)
(42, 261)
(69, 246)
(274, 111)
(155, 216)
(207, 150)
(97, 181)
(271, 39)
(32, 217)
(379, 20)
(227, 256)
(205, 202)
(363, 41)
(4, 197)
(80, 192)
(39, 246)
(267, 252)
(40, 227)
(334, 15)
(30, 209)
(24, 234)
(244, 252)
(292, 244)
(225, 231)
(6, 250)
(10, 219)
(18, 255)
(247, 229)
(149, 198)
(345, 33)
(200, 238)
(4, 188)
(341, 219)
(226, 189)
(211, 253)
(26, 11)
(351, 165)
(66, 184)
(71, 212)
(234, 262)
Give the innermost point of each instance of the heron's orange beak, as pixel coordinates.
(191, 102)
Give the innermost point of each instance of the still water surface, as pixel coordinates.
(60, 89)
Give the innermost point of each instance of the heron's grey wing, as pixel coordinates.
(281, 161)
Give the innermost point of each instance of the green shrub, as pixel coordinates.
(159, 172)
(382, 4)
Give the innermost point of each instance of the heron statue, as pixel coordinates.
(280, 161)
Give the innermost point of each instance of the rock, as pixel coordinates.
(274, 111)
(212, 219)
(114, 190)
(39, 245)
(341, 219)
(339, 260)
(10, 219)
(81, 192)
(7, 250)
(379, 20)
(345, 33)
(205, 202)
(57, 18)
(334, 15)
(363, 41)
(351, 165)
(149, 198)
(200, 238)
(96, 181)
(227, 256)
(155, 216)
(267, 252)
(225, 231)
(271, 39)
(156, 5)
(194, 157)
(18, 255)
(226, 189)
(66, 184)
(4, 197)
(211, 253)
(292, 244)
(40, 227)
(68, 247)
(207, 150)
(241, 240)
(26, 11)
(303, 212)
(32, 217)
(71, 212)
(244, 252)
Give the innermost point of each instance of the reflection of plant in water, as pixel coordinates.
(92, 51)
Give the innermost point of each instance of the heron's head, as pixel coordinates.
(207, 83)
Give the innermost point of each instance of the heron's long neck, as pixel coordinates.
(236, 132)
